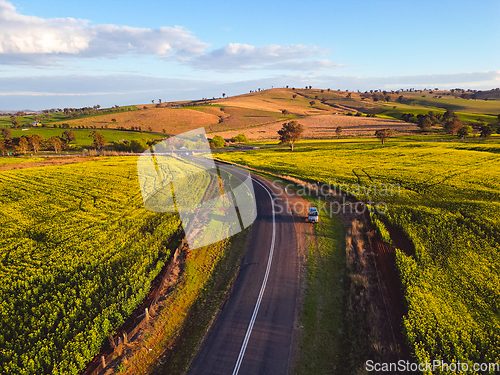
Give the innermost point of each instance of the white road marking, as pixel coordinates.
(262, 289)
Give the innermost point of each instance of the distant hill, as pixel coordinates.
(259, 113)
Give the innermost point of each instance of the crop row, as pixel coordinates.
(78, 252)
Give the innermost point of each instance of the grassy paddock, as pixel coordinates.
(83, 138)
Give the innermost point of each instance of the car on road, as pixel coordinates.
(313, 215)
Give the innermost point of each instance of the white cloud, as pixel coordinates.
(29, 40)
(24, 38)
(237, 56)
(26, 34)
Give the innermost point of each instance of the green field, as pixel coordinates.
(83, 138)
(78, 251)
(446, 198)
(60, 116)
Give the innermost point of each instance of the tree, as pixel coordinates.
(424, 121)
(453, 126)
(68, 136)
(35, 141)
(449, 116)
(23, 145)
(99, 140)
(217, 142)
(56, 143)
(285, 112)
(138, 145)
(290, 133)
(464, 131)
(383, 134)
(15, 122)
(338, 131)
(486, 131)
(312, 102)
(6, 133)
(3, 147)
(240, 138)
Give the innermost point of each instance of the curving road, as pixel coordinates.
(254, 331)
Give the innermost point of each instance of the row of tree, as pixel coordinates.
(450, 122)
(37, 142)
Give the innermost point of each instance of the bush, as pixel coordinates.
(217, 142)
(240, 138)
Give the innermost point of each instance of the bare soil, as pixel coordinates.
(46, 163)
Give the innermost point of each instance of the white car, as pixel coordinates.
(313, 215)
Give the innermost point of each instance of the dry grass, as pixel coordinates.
(173, 120)
(324, 126)
(275, 100)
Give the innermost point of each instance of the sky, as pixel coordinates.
(56, 54)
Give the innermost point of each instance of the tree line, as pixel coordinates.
(450, 122)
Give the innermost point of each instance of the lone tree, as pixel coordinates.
(312, 102)
(383, 134)
(290, 133)
(99, 140)
(338, 131)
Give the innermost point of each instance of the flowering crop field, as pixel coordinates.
(78, 251)
(446, 198)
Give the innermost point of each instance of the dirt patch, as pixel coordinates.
(46, 163)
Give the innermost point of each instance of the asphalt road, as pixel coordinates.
(253, 333)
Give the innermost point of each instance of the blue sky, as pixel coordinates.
(73, 54)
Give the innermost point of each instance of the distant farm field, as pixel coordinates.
(83, 137)
(173, 120)
(446, 198)
(324, 126)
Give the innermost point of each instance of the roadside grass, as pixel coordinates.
(320, 350)
(204, 311)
